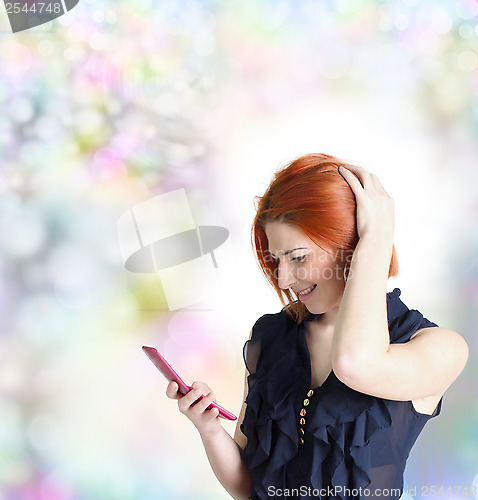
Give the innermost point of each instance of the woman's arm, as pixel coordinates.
(223, 453)
(361, 328)
(362, 356)
(227, 470)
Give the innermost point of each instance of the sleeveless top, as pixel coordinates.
(350, 442)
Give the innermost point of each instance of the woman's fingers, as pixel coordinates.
(368, 181)
(203, 387)
(378, 185)
(186, 401)
(355, 184)
(195, 401)
(364, 180)
(202, 404)
(172, 390)
(375, 207)
(194, 405)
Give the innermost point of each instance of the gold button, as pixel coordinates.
(302, 421)
(303, 412)
(301, 441)
(306, 402)
(301, 431)
(310, 393)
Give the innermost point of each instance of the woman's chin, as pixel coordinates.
(314, 309)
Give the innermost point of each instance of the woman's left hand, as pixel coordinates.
(375, 208)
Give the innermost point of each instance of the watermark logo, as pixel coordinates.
(159, 237)
(27, 14)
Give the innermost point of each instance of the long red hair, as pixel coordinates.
(310, 194)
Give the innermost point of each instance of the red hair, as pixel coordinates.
(311, 195)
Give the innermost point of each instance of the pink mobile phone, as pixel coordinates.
(165, 368)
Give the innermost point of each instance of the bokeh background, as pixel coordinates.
(119, 101)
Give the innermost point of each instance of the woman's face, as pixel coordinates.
(315, 276)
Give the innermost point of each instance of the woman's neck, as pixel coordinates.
(324, 324)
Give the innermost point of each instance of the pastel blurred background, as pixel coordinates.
(115, 103)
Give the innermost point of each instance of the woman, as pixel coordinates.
(342, 380)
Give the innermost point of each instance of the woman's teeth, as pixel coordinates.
(307, 290)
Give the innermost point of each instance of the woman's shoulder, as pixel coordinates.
(273, 322)
(270, 336)
(402, 321)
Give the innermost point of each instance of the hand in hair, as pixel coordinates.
(375, 208)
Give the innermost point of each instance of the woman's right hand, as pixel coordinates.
(206, 421)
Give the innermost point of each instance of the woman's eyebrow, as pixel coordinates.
(288, 251)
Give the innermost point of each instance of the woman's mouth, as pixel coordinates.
(305, 294)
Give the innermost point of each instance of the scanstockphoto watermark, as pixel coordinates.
(424, 491)
(327, 273)
(327, 266)
(26, 14)
(332, 491)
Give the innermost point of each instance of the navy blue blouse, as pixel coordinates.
(351, 441)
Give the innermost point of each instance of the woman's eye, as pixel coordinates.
(299, 258)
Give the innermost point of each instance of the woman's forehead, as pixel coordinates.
(284, 238)
(281, 233)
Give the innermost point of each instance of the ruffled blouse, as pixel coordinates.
(351, 441)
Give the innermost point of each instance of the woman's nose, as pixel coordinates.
(286, 276)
